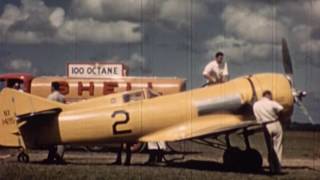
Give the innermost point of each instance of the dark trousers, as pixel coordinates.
(56, 152)
(128, 154)
(155, 156)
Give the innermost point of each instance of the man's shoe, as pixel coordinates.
(276, 172)
(47, 161)
(116, 163)
(61, 161)
(150, 163)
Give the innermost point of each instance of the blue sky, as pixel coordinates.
(162, 37)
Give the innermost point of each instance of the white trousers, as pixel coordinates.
(276, 133)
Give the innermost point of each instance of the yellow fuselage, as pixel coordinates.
(104, 122)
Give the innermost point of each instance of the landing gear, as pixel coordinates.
(232, 158)
(236, 159)
(252, 160)
(23, 157)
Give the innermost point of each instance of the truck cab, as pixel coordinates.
(10, 79)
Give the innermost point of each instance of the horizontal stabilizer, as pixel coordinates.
(18, 109)
(24, 103)
(38, 115)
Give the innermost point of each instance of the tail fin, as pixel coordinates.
(13, 104)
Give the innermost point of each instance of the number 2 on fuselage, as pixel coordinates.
(120, 122)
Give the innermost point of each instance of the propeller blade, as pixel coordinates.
(305, 111)
(287, 64)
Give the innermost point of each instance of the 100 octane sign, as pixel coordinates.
(95, 70)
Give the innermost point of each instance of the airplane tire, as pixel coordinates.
(232, 158)
(252, 160)
(23, 157)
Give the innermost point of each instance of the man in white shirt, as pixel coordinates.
(267, 111)
(55, 94)
(18, 87)
(56, 152)
(217, 70)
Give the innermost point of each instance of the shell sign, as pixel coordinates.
(96, 70)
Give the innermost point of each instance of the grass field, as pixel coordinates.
(301, 161)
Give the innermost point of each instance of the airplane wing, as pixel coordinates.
(201, 127)
(215, 116)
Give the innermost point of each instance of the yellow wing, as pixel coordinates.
(200, 127)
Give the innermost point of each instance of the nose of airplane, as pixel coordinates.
(281, 90)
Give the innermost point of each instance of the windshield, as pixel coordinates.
(134, 96)
(152, 94)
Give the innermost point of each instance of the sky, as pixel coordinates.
(163, 37)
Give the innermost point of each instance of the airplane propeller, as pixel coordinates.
(287, 64)
(305, 111)
(288, 69)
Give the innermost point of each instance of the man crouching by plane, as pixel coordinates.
(216, 71)
(56, 152)
(267, 111)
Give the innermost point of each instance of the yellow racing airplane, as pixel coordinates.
(31, 122)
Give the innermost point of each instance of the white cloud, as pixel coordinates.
(252, 32)
(176, 12)
(305, 26)
(95, 21)
(18, 65)
(90, 30)
(57, 17)
(111, 9)
(302, 35)
(24, 37)
(312, 7)
(256, 25)
(238, 50)
(302, 32)
(310, 46)
(33, 23)
(10, 15)
(179, 11)
(135, 62)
